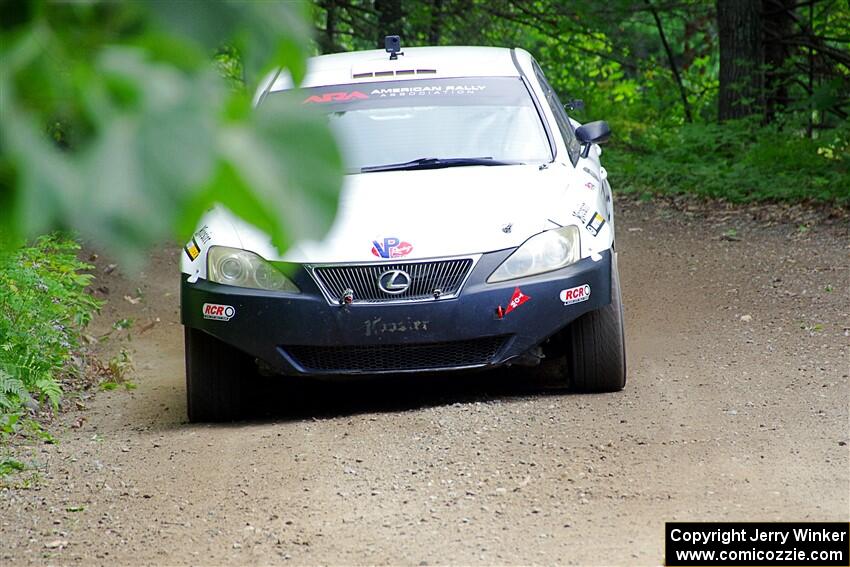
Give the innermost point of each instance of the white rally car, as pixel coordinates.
(475, 229)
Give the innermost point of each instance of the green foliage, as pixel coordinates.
(9, 465)
(119, 366)
(146, 133)
(43, 309)
(13, 393)
(228, 63)
(49, 389)
(122, 324)
(35, 429)
(9, 424)
(737, 161)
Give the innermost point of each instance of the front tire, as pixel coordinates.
(590, 354)
(217, 378)
(596, 346)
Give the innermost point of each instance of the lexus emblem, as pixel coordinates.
(394, 282)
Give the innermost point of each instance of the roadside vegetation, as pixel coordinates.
(726, 162)
(44, 308)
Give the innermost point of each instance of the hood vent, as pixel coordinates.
(391, 73)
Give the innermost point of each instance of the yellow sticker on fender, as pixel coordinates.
(192, 250)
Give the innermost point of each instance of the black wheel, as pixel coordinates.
(218, 378)
(592, 348)
(596, 346)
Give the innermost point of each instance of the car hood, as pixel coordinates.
(431, 213)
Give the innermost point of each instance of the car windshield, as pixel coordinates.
(428, 123)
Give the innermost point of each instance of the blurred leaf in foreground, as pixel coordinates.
(151, 135)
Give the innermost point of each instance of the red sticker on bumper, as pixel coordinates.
(517, 299)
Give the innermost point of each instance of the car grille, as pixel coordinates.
(425, 277)
(396, 357)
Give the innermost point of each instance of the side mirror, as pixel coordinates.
(592, 133)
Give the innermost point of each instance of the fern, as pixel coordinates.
(43, 309)
(12, 391)
(49, 388)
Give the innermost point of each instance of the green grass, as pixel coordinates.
(738, 161)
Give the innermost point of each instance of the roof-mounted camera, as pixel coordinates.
(392, 44)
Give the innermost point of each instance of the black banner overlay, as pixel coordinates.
(813, 544)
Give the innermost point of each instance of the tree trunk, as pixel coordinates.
(778, 20)
(739, 27)
(671, 60)
(389, 19)
(436, 22)
(327, 40)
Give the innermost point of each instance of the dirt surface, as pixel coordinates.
(736, 408)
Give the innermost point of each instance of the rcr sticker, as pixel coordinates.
(575, 294)
(219, 312)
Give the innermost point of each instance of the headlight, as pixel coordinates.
(241, 268)
(541, 253)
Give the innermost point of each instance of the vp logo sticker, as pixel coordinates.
(391, 248)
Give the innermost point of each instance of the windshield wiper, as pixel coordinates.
(437, 163)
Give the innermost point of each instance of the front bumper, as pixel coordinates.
(301, 334)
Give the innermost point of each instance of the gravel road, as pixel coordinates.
(736, 408)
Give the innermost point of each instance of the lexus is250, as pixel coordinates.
(475, 229)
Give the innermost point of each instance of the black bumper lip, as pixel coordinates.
(303, 365)
(266, 323)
